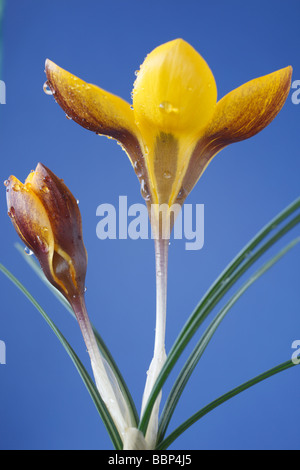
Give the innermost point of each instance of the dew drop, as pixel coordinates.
(68, 117)
(45, 189)
(136, 73)
(77, 201)
(6, 183)
(85, 289)
(28, 251)
(145, 191)
(167, 175)
(182, 193)
(11, 212)
(168, 108)
(16, 187)
(138, 169)
(47, 89)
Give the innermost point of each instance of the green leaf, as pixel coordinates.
(202, 344)
(100, 405)
(101, 344)
(232, 273)
(227, 396)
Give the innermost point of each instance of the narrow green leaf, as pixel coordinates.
(241, 263)
(101, 344)
(214, 404)
(202, 344)
(100, 405)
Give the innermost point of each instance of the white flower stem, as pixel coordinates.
(159, 357)
(106, 382)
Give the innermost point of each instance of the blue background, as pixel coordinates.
(43, 403)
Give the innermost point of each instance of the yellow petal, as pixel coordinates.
(90, 106)
(175, 90)
(241, 114)
(174, 98)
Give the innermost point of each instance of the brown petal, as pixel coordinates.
(241, 114)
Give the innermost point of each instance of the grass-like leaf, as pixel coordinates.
(101, 344)
(232, 273)
(227, 396)
(100, 405)
(202, 344)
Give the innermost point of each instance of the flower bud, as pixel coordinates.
(47, 218)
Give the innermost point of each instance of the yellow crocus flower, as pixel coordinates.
(171, 132)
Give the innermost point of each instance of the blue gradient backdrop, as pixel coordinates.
(43, 403)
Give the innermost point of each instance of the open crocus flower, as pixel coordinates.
(176, 126)
(171, 132)
(47, 218)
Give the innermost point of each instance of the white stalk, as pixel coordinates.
(106, 382)
(159, 357)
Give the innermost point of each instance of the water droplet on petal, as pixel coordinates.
(6, 183)
(138, 169)
(45, 189)
(28, 251)
(182, 194)
(167, 175)
(11, 212)
(85, 289)
(77, 200)
(168, 108)
(47, 89)
(145, 191)
(68, 117)
(16, 187)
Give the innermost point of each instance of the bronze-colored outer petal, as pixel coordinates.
(61, 206)
(46, 216)
(241, 114)
(99, 111)
(92, 107)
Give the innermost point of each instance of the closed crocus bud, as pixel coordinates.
(47, 218)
